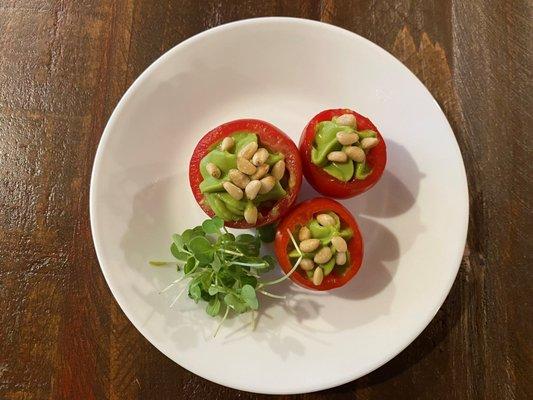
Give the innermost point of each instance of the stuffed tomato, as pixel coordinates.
(322, 237)
(247, 172)
(343, 153)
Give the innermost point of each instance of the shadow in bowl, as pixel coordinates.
(397, 190)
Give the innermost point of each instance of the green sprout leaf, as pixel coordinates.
(195, 292)
(213, 225)
(248, 244)
(213, 307)
(178, 241)
(180, 255)
(189, 265)
(250, 297)
(235, 303)
(202, 249)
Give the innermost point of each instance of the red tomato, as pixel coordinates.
(300, 215)
(271, 138)
(324, 182)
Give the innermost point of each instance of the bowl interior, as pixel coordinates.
(283, 71)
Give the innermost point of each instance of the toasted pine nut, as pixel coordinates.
(262, 170)
(248, 151)
(347, 138)
(252, 189)
(278, 170)
(233, 190)
(355, 153)
(250, 214)
(338, 156)
(227, 144)
(309, 245)
(260, 157)
(213, 170)
(307, 264)
(323, 255)
(339, 243)
(267, 183)
(245, 166)
(346, 120)
(318, 276)
(304, 234)
(340, 259)
(238, 178)
(368, 143)
(325, 219)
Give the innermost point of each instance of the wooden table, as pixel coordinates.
(64, 66)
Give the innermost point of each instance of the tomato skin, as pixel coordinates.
(270, 137)
(327, 184)
(300, 215)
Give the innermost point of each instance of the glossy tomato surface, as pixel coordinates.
(299, 216)
(324, 182)
(271, 138)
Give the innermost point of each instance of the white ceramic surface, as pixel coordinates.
(284, 71)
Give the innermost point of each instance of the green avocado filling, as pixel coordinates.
(219, 200)
(327, 231)
(326, 141)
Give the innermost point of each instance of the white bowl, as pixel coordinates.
(284, 71)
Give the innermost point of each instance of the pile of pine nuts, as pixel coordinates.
(355, 153)
(308, 244)
(251, 177)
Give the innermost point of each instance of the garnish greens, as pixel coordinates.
(221, 269)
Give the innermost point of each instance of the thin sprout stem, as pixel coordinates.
(172, 284)
(284, 276)
(249, 264)
(294, 243)
(222, 321)
(231, 252)
(177, 297)
(274, 296)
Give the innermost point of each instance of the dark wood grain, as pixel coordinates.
(64, 66)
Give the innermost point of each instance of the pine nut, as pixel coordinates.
(252, 189)
(368, 143)
(262, 170)
(318, 276)
(245, 166)
(309, 245)
(339, 243)
(307, 264)
(325, 220)
(248, 151)
(238, 178)
(347, 138)
(233, 190)
(355, 153)
(278, 170)
(338, 156)
(323, 255)
(340, 259)
(346, 120)
(260, 157)
(267, 183)
(304, 234)
(227, 144)
(250, 214)
(213, 170)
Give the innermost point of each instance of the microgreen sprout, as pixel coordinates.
(221, 269)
